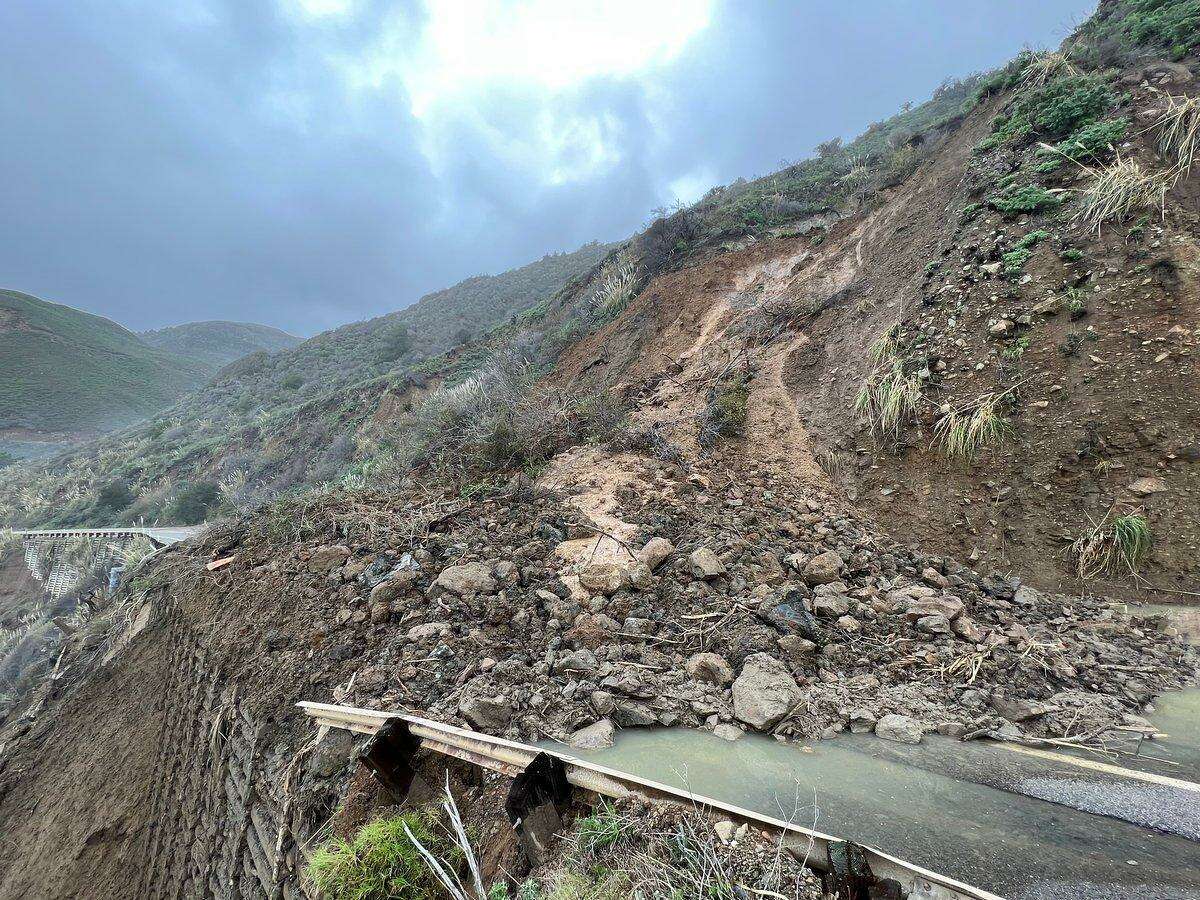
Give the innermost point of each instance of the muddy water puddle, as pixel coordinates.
(898, 799)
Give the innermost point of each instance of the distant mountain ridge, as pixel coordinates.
(219, 343)
(65, 370)
(67, 374)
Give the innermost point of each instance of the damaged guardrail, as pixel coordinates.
(541, 777)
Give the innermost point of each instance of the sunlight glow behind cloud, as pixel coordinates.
(544, 44)
(506, 71)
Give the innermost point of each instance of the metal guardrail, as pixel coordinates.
(511, 758)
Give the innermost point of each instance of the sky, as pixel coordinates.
(306, 163)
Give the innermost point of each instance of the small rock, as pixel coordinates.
(602, 577)
(656, 551)
(725, 830)
(934, 624)
(946, 606)
(966, 629)
(710, 667)
(862, 721)
(427, 631)
(1020, 710)
(1152, 484)
(727, 731)
(706, 564)
(326, 559)
(467, 580)
(824, 568)
(489, 714)
(332, 753)
(831, 605)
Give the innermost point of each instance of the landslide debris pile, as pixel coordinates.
(748, 604)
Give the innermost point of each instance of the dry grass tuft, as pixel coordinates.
(1118, 190)
(964, 432)
(888, 397)
(1179, 132)
(1046, 66)
(1112, 547)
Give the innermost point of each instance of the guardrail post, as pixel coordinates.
(389, 754)
(852, 876)
(536, 802)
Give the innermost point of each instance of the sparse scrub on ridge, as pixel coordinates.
(499, 419)
(1116, 33)
(965, 431)
(1112, 547)
(1120, 189)
(1179, 132)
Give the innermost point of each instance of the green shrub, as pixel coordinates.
(725, 412)
(1057, 109)
(1092, 141)
(1014, 261)
(292, 381)
(1033, 239)
(1028, 198)
(194, 502)
(381, 862)
(1071, 255)
(602, 829)
(115, 496)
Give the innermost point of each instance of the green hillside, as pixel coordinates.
(269, 422)
(62, 369)
(218, 343)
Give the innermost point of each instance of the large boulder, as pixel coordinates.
(764, 692)
(901, 729)
(467, 580)
(596, 736)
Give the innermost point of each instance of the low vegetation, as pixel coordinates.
(964, 432)
(1117, 191)
(1028, 198)
(1052, 109)
(1113, 546)
(500, 419)
(381, 861)
(724, 414)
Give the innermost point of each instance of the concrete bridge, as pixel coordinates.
(61, 558)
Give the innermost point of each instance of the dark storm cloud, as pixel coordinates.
(166, 162)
